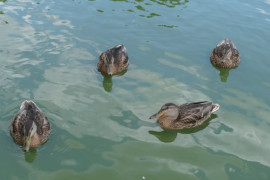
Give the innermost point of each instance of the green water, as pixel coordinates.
(100, 126)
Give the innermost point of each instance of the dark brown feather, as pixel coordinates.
(117, 57)
(26, 114)
(218, 53)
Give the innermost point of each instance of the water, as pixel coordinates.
(100, 126)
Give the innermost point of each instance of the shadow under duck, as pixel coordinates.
(113, 61)
(225, 54)
(188, 115)
(30, 127)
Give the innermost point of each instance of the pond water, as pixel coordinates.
(100, 127)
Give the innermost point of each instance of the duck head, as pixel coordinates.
(108, 60)
(113, 58)
(225, 49)
(168, 110)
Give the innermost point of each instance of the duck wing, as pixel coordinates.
(17, 124)
(195, 111)
(42, 122)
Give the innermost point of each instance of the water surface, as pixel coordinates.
(100, 126)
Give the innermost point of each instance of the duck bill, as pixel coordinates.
(109, 69)
(159, 114)
(27, 143)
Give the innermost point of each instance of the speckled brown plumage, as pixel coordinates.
(29, 112)
(117, 57)
(188, 115)
(225, 54)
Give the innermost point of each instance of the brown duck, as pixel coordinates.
(225, 54)
(113, 61)
(188, 115)
(30, 127)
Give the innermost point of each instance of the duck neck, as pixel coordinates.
(165, 122)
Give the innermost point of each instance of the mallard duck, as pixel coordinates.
(225, 54)
(188, 115)
(30, 127)
(113, 61)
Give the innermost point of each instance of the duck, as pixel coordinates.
(225, 54)
(30, 128)
(113, 61)
(188, 115)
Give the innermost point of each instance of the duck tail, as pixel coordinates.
(215, 107)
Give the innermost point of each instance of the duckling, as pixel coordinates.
(188, 115)
(30, 127)
(225, 54)
(113, 61)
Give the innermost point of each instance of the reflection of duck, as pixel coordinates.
(168, 136)
(187, 115)
(113, 61)
(223, 73)
(30, 156)
(30, 127)
(107, 83)
(225, 54)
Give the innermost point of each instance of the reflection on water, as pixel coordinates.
(99, 10)
(30, 156)
(167, 26)
(170, 3)
(165, 136)
(145, 8)
(127, 119)
(170, 135)
(1, 15)
(224, 73)
(222, 128)
(167, 3)
(108, 82)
